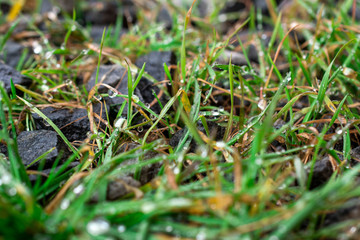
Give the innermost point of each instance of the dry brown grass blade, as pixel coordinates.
(237, 171)
(170, 177)
(277, 54)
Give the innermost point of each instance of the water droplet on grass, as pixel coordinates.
(48, 54)
(68, 82)
(221, 144)
(98, 227)
(37, 48)
(120, 123)
(12, 191)
(215, 113)
(121, 228)
(258, 161)
(201, 235)
(79, 189)
(65, 203)
(135, 99)
(168, 228)
(98, 97)
(112, 94)
(148, 207)
(49, 96)
(262, 104)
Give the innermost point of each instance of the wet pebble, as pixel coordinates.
(32, 144)
(74, 123)
(7, 73)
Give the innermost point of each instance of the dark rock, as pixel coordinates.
(101, 13)
(5, 7)
(33, 144)
(46, 6)
(154, 67)
(7, 73)
(115, 76)
(74, 123)
(120, 187)
(164, 17)
(63, 5)
(322, 172)
(97, 32)
(148, 172)
(236, 58)
(252, 53)
(349, 210)
(11, 53)
(155, 63)
(216, 132)
(117, 188)
(106, 12)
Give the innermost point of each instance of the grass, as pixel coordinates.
(259, 180)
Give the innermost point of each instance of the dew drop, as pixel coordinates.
(353, 230)
(148, 207)
(49, 96)
(120, 123)
(121, 228)
(37, 48)
(262, 104)
(65, 203)
(46, 124)
(44, 88)
(339, 131)
(12, 191)
(98, 227)
(221, 144)
(112, 94)
(68, 82)
(79, 189)
(135, 98)
(258, 161)
(201, 235)
(48, 54)
(98, 97)
(168, 228)
(215, 113)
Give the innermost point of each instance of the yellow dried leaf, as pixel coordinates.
(329, 104)
(15, 10)
(186, 102)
